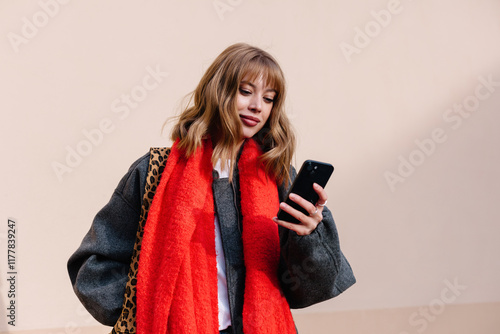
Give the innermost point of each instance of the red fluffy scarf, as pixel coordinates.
(177, 278)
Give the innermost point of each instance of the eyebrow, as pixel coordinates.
(253, 86)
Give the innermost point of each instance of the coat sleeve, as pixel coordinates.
(99, 267)
(312, 267)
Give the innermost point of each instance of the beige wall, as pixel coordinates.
(416, 183)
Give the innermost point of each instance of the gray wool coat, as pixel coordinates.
(312, 268)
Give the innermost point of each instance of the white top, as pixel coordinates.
(223, 299)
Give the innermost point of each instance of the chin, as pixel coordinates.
(248, 134)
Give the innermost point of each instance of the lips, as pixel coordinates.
(249, 120)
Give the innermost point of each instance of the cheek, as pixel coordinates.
(240, 102)
(266, 113)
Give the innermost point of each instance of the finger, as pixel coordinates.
(323, 197)
(297, 214)
(300, 229)
(308, 206)
(309, 221)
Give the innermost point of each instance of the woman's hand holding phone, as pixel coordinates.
(303, 207)
(308, 223)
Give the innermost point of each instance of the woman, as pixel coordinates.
(213, 256)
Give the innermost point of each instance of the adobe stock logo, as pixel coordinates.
(30, 28)
(424, 316)
(223, 6)
(122, 107)
(454, 117)
(372, 29)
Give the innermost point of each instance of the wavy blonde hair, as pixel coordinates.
(212, 111)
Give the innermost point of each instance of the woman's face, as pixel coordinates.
(254, 103)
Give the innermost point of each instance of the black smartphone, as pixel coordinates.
(310, 172)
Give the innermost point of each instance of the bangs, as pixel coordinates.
(267, 69)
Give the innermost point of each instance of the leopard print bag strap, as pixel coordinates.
(126, 322)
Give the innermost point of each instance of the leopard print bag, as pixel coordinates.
(126, 323)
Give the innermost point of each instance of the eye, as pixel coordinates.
(244, 91)
(268, 99)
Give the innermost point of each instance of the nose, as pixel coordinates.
(255, 104)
